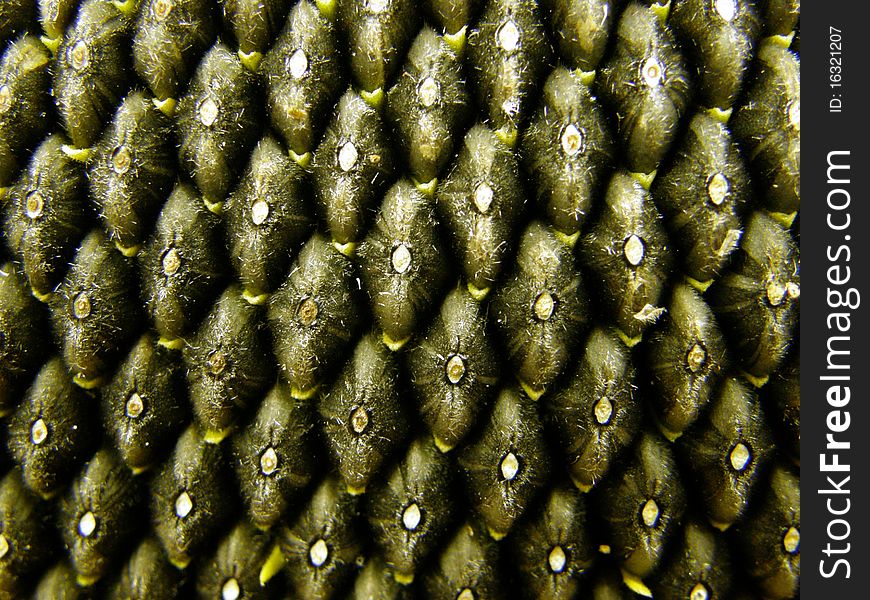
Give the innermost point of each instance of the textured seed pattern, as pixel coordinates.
(306, 298)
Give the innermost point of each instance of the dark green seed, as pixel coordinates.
(133, 170)
(274, 459)
(171, 36)
(48, 214)
(427, 105)
(25, 101)
(60, 582)
(479, 203)
(757, 300)
(453, 15)
(582, 29)
(702, 193)
(541, 310)
(314, 315)
(99, 514)
(218, 123)
(55, 15)
(144, 404)
(403, 266)
(699, 566)
(719, 38)
(467, 568)
(362, 413)
(183, 264)
(568, 149)
(352, 166)
(627, 250)
(453, 369)
(507, 463)
(411, 510)
(596, 413)
(233, 571)
(727, 451)
(26, 538)
(647, 84)
(643, 505)
(52, 430)
(321, 546)
(378, 33)
(686, 357)
(267, 217)
(22, 345)
(375, 582)
(254, 23)
(508, 52)
(189, 500)
(769, 537)
(147, 575)
(768, 125)
(96, 310)
(780, 17)
(553, 548)
(303, 76)
(228, 363)
(93, 70)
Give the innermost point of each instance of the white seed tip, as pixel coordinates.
(79, 56)
(4, 545)
(793, 290)
(650, 513)
(727, 9)
(429, 92)
(216, 362)
(510, 466)
(508, 36)
(633, 250)
(259, 212)
(573, 140)
(347, 156)
(401, 258)
(696, 357)
(359, 420)
(791, 541)
(740, 456)
(699, 592)
(557, 559)
(544, 306)
(603, 410)
(318, 553)
(208, 112)
(717, 188)
(121, 160)
(183, 505)
(81, 306)
(307, 312)
(135, 406)
(411, 517)
(230, 589)
(455, 369)
(269, 461)
(34, 205)
(776, 293)
(652, 72)
(171, 262)
(483, 196)
(298, 64)
(87, 524)
(162, 8)
(5, 98)
(38, 432)
(377, 6)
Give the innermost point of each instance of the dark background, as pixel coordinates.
(822, 133)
